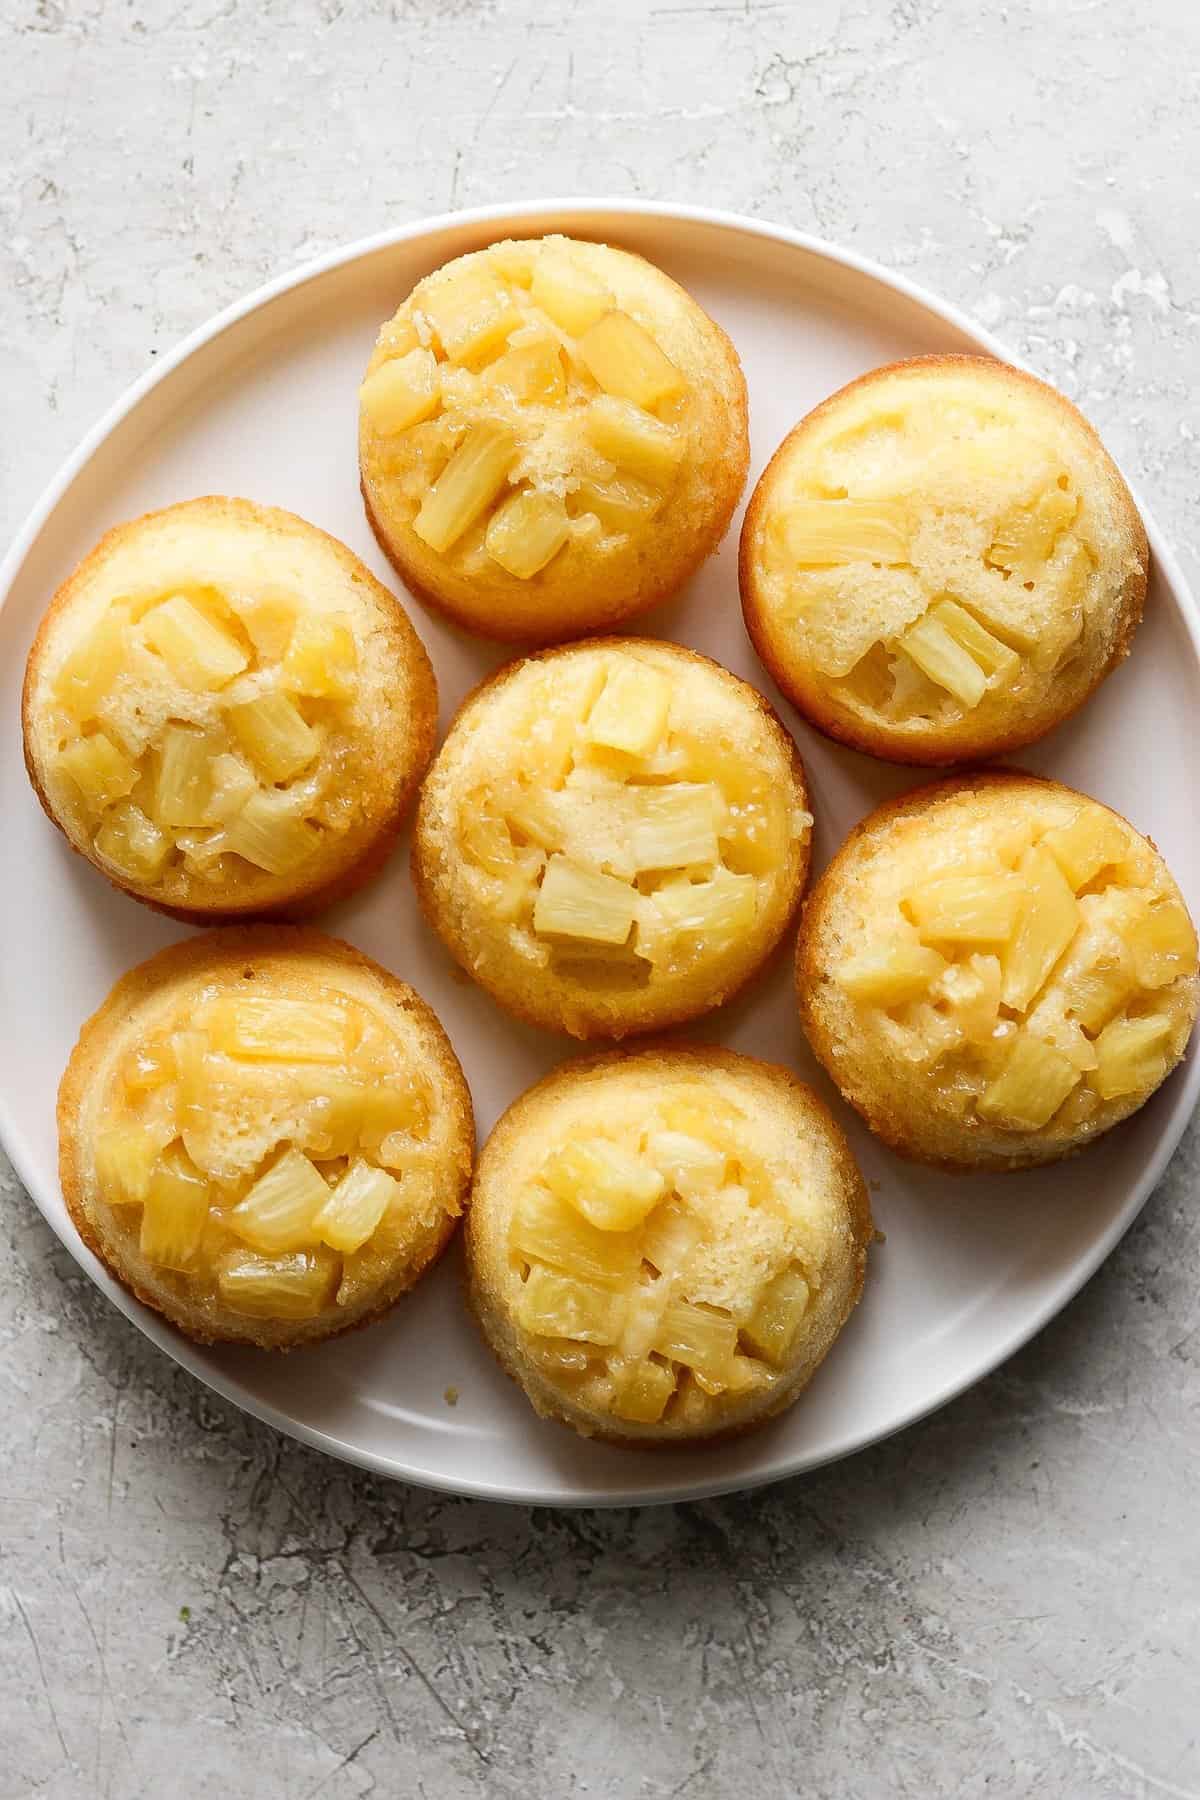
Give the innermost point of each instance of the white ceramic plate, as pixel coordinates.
(261, 402)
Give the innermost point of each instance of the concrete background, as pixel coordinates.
(1002, 1601)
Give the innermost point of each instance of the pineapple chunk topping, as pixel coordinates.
(341, 1202)
(631, 711)
(611, 1268)
(824, 532)
(1027, 982)
(516, 366)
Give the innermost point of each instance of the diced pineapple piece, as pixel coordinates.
(514, 260)
(630, 714)
(622, 504)
(100, 771)
(670, 1236)
(702, 1339)
(890, 974)
(1032, 1085)
(641, 1389)
(273, 732)
(89, 673)
(531, 374)
(772, 1327)
(398, 336)
(1163, 943)
(574, 902)
(536, 814)
(703, 1113)
(230, 783)
(132, 843)
(175, 1211)
(612, 1187)
(199, 653)
(645, 1304)
(565, 290)
(1096, 978)
(271, 834)
(713, 912)
(634, 439)
(994, 658)
(278, 1211)
(151, 1066)
(939, 655)
(967, 909)
(183, 783)
(1131, 1056)
(545, 1229)
(402, 392)
(675, 827)
(125, 1157)
(1048, 921)
(554, 1305)
(830, 532)
(322, 658)
(345, 1115)
(471, 311)
(277, 1287)
(623, 359)
(527, 532)
(355, 1207)
(1091, 841)
(691, 1166)
(1025, 537)
(278, 1030)
(270, 619)
(972, 989)
(466, 487)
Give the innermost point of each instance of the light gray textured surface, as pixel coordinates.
(1002, 1601)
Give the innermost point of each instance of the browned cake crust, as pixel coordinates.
(998, 725)
(401, 729)
(542, 998)
(303, 958)
(783, 1110)
(902, 1104)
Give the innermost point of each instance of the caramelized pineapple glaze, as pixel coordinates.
(613, 836)
(225, 712)
(995, 970)
(941, 561)
(264, 1135)
(553, 437)
(664, 1246)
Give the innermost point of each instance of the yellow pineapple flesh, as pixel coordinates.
(1091, 841)
(270, 833)
(1025, 537)
(547, 1229)
(778, 1314)
(674, 827)
(467, 486)
(279, 1030)
(321, 658)
(175, 1211)
(1032, 1085)
(1163, 944)
(99, 769)
(967, 909)
(527, 532)
(555, 1305)
(691, 1166)
(576, 902)
(183, 778)
(634, 439)
(287, 1287)
(90, 672)
(278, 1211)
(352, 1212)
(641, 1389)
(1131, 1056)
(613, 1188)
(820, 533)
(125, 1159)
(566, 291)
(131, 843)
(630, 714)
(699, 1338)
(621, 504)
(198, 652)
(623, 359)
(532, 374)
(889, 974)
(273, 732)
(402, 392)
(471, 311)
(1048, 921)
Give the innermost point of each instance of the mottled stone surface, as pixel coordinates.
(1003, 1600)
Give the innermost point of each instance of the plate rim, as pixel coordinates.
(527, 213)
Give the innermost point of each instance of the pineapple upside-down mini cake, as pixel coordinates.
(226, 713)
(995, 970)
(663, 1247)
(613, 836)
(942, 561)
(553, 437)
(264, 1135)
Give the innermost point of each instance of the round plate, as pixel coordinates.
(261, 402)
